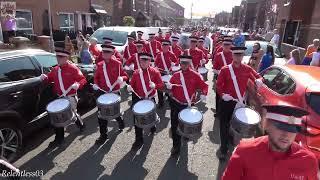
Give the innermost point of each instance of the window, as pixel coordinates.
(47, 62)
(17, 69)
(133, 5)
(269, 76)
(119, 38)
(314, 102)
(24, 21)
(278, 81)
(66, 21)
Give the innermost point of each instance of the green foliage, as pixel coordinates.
(128, 21)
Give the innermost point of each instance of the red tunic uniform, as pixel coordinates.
(197, 56)
(193, 82)
(134, 59)
(168, 58)
(205, 52)
(94, 50)
(150, 74)
(177, 50)
(128, 52)
(114, 70)
(254, 160)
(70, 74)
(116, 54)
(217, 47)
(159, 38)
(218, 61)
(156, 48)
(242, 73)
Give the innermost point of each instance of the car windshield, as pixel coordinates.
(119, 37)
(314, 102)
(249, 46)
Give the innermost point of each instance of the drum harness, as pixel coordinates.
(164, 63)
(146, 92)
(106, 77)
(151, 50)
(236, 87)
(188, 53)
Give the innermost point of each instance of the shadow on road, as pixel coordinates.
(214, 135)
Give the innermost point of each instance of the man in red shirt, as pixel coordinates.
(275, 156)
(130, 49)
(67, 79)
(160, 36)
(153, 47)
(197, 55)
(93, 48)
(109, 76)
(108, 41)
(183, 86)
(144, 88)
(133, 62)
(203, 49)
(164, 61)
(168, 35)
(176, 49)
(231, 86)
(140, 33)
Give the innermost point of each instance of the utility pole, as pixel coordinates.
(191, 10)
(50, 27)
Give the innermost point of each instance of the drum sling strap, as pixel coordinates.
(144, 87)
(137, 59)
(128, 51)
(188, 53)
(151, 50)
(63, 90)
(106, 77)
(184, 87)
(223, 60)
(171, 49)
(164, 62)
(235, 84)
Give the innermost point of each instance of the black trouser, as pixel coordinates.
(227, 108)
(160, 97)
(103, 125)
(175, 109)
(138, 131)
(59, 131)
(218, 99)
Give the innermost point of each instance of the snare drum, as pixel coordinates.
(244, 123)
(175, 69)
(190, 122)
(145, 114)
(109, 106)
(60, 112)
(204, 72)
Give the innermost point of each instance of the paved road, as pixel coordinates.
(79, 158)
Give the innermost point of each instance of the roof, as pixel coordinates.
(22, 52)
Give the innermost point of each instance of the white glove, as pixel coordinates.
(129, 88)
(203, 98)
(172, 64)
(259, 83)
(131, 67)
(203, 61)
(169, 85)
(239, 105)
(120, 80)
(227, 97)
(127, 68)
(43, 77)
(75, 86)
(152, 85)
(95, 87)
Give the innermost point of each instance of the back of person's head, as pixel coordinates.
(316, 41)
(295, 54)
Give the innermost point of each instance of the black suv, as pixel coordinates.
(23, 98)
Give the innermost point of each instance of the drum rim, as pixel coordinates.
(180, 119)
(153, 109)
(234, 117)
(116, 102)
(60, 110)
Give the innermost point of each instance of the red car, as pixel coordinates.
(295, 85)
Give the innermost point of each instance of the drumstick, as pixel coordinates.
(99, 88)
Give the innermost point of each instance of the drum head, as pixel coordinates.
(143, 106)
(58, 105)
(109, 98)
(202, 70)
(166, 78)
(175, 68)
(247, 115)
(190, 116)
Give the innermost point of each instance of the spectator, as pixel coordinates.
(295, 57)
(267, 59)
(93, 48)
(316, 58)
(311, 49)
(239, 39)
(256, 56)
(275, 39)
(88, 37)
(207, 40)
(68, 46)
(79, 39)
(85, 55)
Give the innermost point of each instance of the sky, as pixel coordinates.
(207, 7)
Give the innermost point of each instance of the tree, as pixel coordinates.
(128, 21)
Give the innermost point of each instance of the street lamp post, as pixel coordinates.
(50, 27)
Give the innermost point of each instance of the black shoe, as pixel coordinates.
(175, 151)
(82, 127)
(101, 140)
(221, 155)
(55, 143)
(121, 127)
(153, 130)
(137, 145)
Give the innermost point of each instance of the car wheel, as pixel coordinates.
(10, 141)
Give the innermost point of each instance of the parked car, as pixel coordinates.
(24, 98)
(295, 85)
(184, 40)
(279, 57)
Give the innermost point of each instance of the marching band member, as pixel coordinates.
(183, 86)
(130, 49)
(67, 79)
(168, 35)
(164, 61)
(175, 48)
(109, 76)
(203, 49)
(197, 55)
(222, 59)
(133, 62)
(140, 33)
(160, 36)
(231, 86)
(108, 41)
(275, 156)
(144, 84)
(153, 47)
